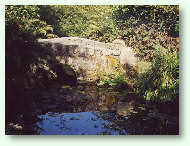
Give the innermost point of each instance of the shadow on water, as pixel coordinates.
(88, 110)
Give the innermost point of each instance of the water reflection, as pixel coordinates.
(88, 111)
(84, 123)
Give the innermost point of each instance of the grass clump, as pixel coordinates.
(161, 81)
(112, 79)
(144, 66)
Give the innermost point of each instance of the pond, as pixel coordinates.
(88, 110)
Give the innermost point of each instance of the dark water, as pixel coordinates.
(86, 110)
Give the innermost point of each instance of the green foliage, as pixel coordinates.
(112, 79)
(159, 17)
(27, 63)
(70, 19)
(24, 24)
(93, 22)
(161, 82)
(140, 26)
(144, 66)
(144, 26)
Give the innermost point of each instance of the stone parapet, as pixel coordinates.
(86, 56)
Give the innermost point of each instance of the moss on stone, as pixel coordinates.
(112, 62)
(92, 75)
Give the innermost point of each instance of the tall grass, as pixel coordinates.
(112, 79)
(161, 81)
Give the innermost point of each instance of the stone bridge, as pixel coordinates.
(87, 57)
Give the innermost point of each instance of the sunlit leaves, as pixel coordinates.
(161, 81)
(26, 19)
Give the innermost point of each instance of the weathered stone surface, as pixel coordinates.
(116, 52)
(127, 57)
(90, 51)
(98, 53)
(84, 55)
(107, 52)
(69, 61)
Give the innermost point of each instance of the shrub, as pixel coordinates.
(26, 61)
(161, 18)
(112, 79)
(143, 66)
(142, 27)
(93, 22)
(161, 82)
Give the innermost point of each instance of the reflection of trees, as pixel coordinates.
(25, 113)
(140, 122)
(143, 123)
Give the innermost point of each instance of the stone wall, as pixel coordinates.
(87, 56)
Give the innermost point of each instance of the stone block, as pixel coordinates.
(81, 50)
(115, 52)
(107, 52)
(69, 60)
(127, 57)
(73, 50)
(98, 53)
(62, 61)
(70, 50)
(91, 51)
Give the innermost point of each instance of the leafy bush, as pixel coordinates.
(112, 79)
(66, 20)
(93, 22)
(142, 27)
(144, 66)
(143, 39)
(24, 24)
(27, 63)
(161, 82)
(162, 18)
